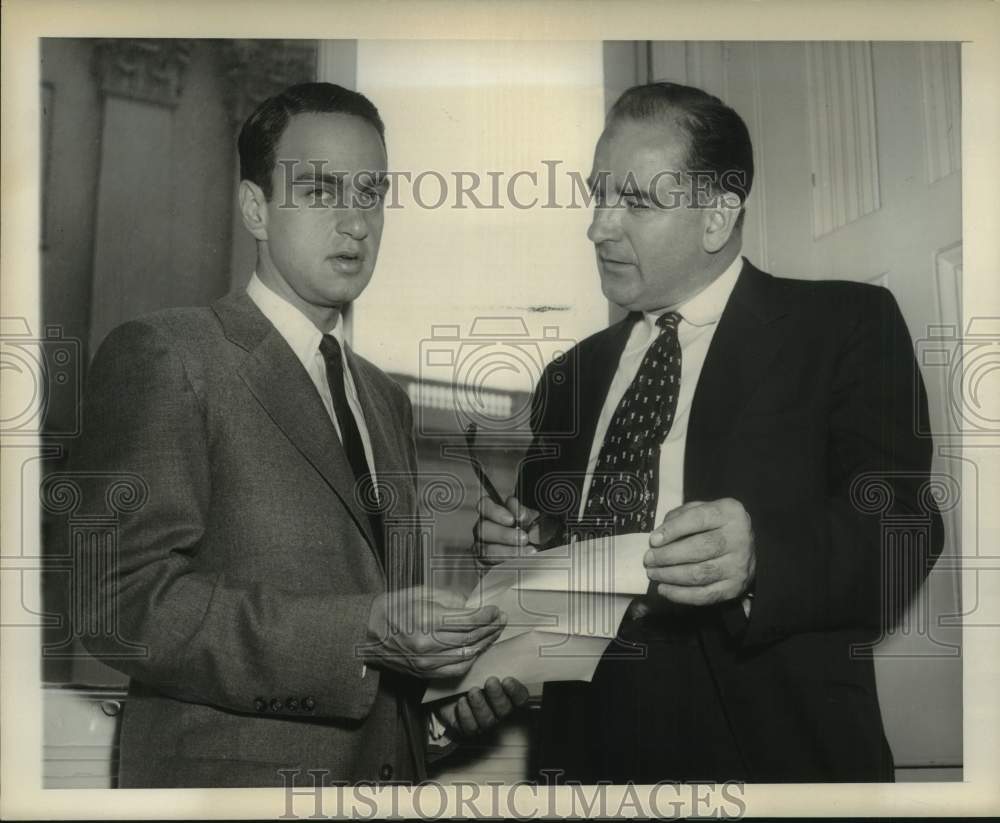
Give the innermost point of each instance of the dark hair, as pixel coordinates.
(262, 130)
(718, 140)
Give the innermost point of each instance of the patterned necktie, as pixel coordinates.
(624, 487)
(350, 436)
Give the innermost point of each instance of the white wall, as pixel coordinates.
(485, 106)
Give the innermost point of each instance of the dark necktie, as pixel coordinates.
(624, 488)
(350, 436)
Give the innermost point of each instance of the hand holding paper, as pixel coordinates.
(563, 607)
(702, 553)
(428, 634)
(479, 710)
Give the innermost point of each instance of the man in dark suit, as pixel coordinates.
(282, 618)
(741, 420)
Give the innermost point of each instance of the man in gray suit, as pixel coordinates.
(284, 629)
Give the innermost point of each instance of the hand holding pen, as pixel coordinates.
(506, 529)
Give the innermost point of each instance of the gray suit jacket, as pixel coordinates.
(249, 572)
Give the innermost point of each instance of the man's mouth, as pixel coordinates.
(348, 261)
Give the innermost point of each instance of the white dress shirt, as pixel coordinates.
(699, 320)
(304, 338)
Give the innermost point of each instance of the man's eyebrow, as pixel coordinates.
(335, 180)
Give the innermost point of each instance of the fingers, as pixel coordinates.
(488, 533)
(446, 663)
(466, 619)
(689, 574)
(465, 717)
(516, 691)
(488, 510)
(502, 532)
(445, 597)
(425, 616)
(497, 533)
(694, 549)
(495, 694)
(523, 515)
(460, 640)
(481, 710)
(510, 515)
(690, 518)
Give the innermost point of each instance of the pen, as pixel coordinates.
(484, 480)
(477, 466)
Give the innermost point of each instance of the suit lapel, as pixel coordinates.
(376, 409)
(277, 380)
(748, 338)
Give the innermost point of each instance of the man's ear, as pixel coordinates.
(720, 222)
(253, 209)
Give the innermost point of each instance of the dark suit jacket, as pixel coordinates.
(249, 572)
(805, 412)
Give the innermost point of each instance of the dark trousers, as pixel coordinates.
(644, 718)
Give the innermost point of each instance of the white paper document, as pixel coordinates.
(563, 607)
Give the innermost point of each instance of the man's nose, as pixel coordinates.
(604, 225)
(352, 223)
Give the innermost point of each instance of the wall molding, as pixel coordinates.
(948, 274)
(258, 69)
(880, 279)
(941, 73)
(843, 140)
(142, 69)
(693, 63)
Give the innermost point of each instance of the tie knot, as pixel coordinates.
(668, 320)
(329, 347)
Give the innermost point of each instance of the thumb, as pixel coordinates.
(447, 597)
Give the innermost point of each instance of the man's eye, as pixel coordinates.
(634, 205)
(367, 198)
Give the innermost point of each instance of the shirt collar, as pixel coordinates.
(707, 305)
(297, 329)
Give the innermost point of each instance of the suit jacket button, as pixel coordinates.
(260, 704)
(276, 705)
(385, 773)
(293, 704)
(308, 703)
